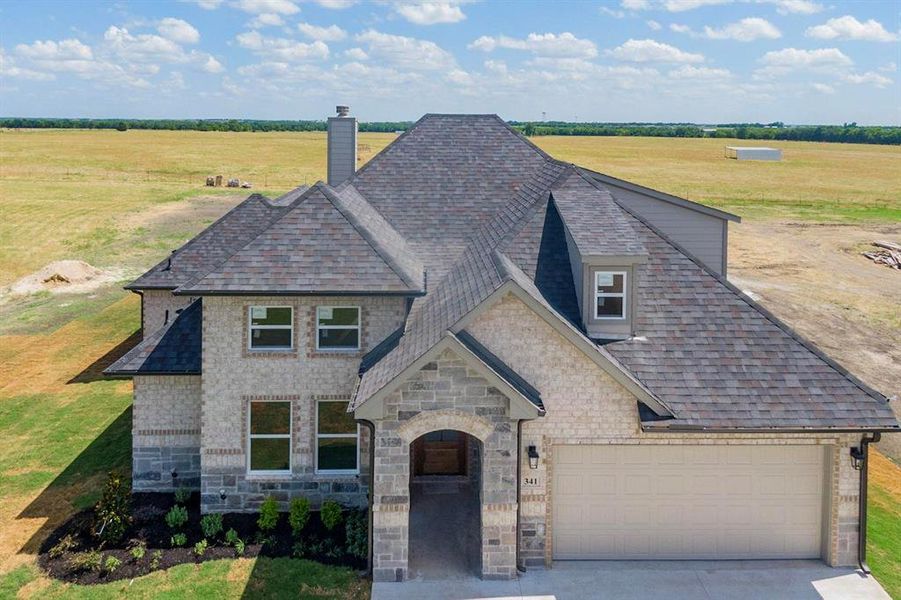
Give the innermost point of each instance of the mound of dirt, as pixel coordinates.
(63, 276)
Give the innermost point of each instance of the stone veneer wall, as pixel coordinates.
(155, 303)
(586, 406)
(445, 394)
(233, 376)
(166, 433)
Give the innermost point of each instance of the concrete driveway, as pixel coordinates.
(670, 580)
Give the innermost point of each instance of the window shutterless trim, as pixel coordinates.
(251, 327)
(623, 294)
(354, 471)
(270, 436)
(358, 327)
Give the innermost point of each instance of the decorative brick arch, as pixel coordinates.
(436, 420)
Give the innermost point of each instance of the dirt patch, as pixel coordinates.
(64, 276)
(814, 278)
(63, 552)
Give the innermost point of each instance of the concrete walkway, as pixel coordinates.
(670, 580)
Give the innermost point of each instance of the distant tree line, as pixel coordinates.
(848, 132)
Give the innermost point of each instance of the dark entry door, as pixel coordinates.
(440, 453)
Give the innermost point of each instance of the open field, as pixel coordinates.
(123, 200)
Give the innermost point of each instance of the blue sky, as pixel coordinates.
(798, 61)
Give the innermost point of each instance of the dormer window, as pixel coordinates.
(610, 294)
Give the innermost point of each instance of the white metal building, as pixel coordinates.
(753, 153)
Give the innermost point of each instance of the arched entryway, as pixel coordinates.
(445, 505)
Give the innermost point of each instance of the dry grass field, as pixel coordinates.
(121, 201)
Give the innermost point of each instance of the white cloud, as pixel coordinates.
(73, 57)
(849, 28)
(258, 7)
(616, 14)
(332, 33)
(679, 28)
(178, 31)
(211, 65)
(795, 7)
(266, 20)
(823, 88)
(794, 59)
(356, 54)
(281, 48)
(541, 44)
(64, 50)
(496, 66)
(745, 30)
(654, 25)
(429, 12)
(8, 68)
(783, 7)
(705, 73)
(635, 4)
(406, 52)
(206, 4)
(889, 67)
(652, 51)
(336, 4)
(683, 5)
(460, 77)
(868, 77)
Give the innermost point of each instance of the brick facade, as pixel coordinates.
(586, 406)
(166, 433)
(234, 376)
(155, 303)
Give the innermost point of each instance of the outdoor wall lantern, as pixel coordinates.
(174, 474)
(856, 458)
(222, 494)
(533, 457)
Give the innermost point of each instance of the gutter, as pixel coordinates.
(862, 453)
(679, 428)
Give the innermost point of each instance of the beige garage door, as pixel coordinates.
(681, 502)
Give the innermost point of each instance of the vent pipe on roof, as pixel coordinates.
(342, 146)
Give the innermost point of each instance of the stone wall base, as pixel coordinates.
(244, 493)
(153, 467)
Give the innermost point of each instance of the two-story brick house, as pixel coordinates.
(562, 345)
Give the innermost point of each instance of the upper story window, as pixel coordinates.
(338, 328)
(269, 438)
(610, 295)
(271, 328)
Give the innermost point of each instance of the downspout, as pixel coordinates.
(862, 454)
(519, 567)
(371, 426)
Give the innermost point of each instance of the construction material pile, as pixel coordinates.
(889, 254)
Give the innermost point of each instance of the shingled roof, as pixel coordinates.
(174, 349)
(482, 211)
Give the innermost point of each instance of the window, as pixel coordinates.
(337, 438)
(338, 328)
(270, 437)
(271, 327)
(610, 295)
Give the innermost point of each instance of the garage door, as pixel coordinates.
(680, 502)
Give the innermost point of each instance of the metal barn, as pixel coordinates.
(753, 153)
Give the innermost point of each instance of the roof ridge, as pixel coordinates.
(386, 149)
(288, 208)
(335, 200)
(785, 328)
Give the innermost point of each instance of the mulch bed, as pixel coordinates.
(149, 526)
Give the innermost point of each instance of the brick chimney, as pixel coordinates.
(342, 146)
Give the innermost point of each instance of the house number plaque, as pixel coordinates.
(532, 481)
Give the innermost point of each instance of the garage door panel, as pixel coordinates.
(676, 502)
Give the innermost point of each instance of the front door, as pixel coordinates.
(440, 453)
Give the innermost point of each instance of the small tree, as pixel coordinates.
(330, 514)
(122, 126)
(113, 510)
(299, 515)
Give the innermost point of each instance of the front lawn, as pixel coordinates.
(884, 523)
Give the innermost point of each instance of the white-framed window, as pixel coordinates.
(269, 437)
(271, 328)
(337, 439)
(610, 294)
(338, 328)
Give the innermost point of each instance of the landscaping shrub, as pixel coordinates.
(299, 515)
(330, 514)
(211, 525)
(239, 547)
(155, 559)
(231, 536)
(137, 549)
(111, 564)
(177, 517)
(178, 539)
(200, 548)
(113, 511)
(357, 530)
(268, 514)
(182, 495)
(86, 561)
(66, 543)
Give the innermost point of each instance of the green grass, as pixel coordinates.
(884, 538)
(221, 579)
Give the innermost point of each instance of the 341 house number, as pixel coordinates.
(531, 481)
